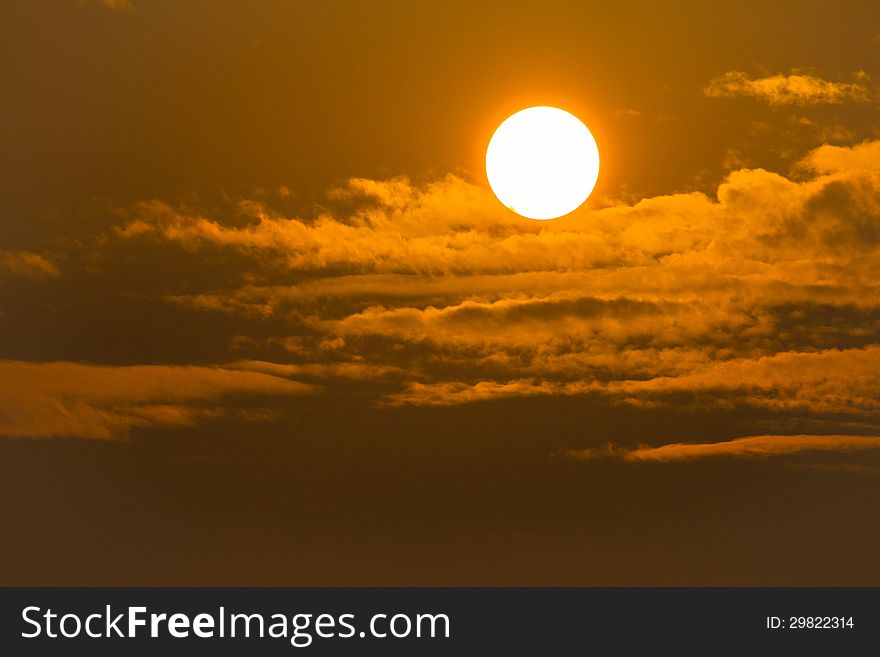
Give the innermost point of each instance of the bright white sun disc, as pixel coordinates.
(542, 162)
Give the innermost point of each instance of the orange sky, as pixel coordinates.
(262, 320)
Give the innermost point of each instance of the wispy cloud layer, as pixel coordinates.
(793, 89)
(764, 295)
(750, 447)
(41, 400)
(27, 264)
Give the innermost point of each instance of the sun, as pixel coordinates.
(542, 162)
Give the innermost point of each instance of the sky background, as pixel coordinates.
(262, 321)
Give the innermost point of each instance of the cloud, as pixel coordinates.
(792, 89)
(451, 393)
(27, 264)
(119, 5)
(752, 447)
(839, 159)
(763, 295)
(833, 382)
(401, 228)
(320, 370)
(824, 133)
(452, 233)
(41, 400)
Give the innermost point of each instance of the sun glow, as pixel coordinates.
(542, 162)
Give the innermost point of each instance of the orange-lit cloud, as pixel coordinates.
(319, 370)
(40, 400)
(840, 159)
(447, 233)
(795, 88)
(749, 447)
(833, 381)
(765, 295)
(27, 264)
